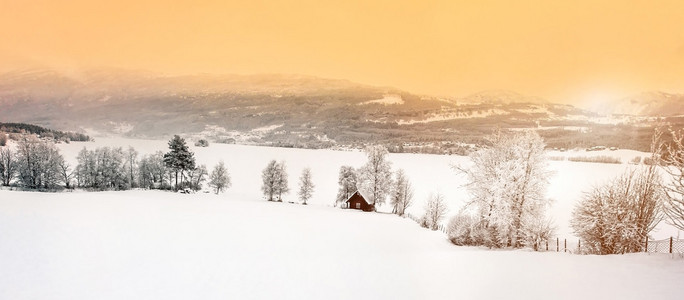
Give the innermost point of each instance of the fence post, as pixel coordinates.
(565, 245)
(670, 245)
(547, 244)
(557, 245)
(646, 249)
(579, 245)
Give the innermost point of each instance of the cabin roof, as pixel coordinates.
(360, 194)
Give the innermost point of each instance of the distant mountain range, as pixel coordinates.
(645, 104)
(294, 110)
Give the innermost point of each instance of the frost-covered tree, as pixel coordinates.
(616, 217)
(152, 171)
(670, 155)
(8, 161)
(65, 172)
(196, 177)
(219, 180)
(103, 168)
(507, 182)
(538, 232)
(282, 185)
(37, 162)
(306, 186)
(275, 182)
(347, 181)
(375, 177)
(435, 210)
(131, 166)
(402, 193)
(179, 159)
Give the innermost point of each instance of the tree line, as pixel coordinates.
(16, 130)
(36, 163)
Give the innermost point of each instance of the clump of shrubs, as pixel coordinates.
(649, 161)
(461, 228)
(465, 229)
(202, 143)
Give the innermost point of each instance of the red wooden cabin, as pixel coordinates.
(357, 201)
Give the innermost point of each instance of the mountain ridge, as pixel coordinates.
(307, 111)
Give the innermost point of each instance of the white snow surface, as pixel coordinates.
(162, 245)
(389, 99)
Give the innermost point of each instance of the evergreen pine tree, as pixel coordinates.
(180, 158)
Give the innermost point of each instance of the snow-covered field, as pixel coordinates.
(160, 245)
(428, 173)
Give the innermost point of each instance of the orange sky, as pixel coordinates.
(567, 51)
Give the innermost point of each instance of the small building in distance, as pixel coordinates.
(357, 201)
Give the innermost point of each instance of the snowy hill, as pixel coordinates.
(157, 245)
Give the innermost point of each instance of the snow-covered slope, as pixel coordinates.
(159, 245)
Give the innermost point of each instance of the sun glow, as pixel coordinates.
(443, 47)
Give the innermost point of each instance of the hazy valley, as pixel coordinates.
(310, 112)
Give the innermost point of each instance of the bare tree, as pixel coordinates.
(670, 155)
(219, 179)
(375, 177)
(7, 159)
(37, 163)
(282, 185)
(3, 139)
(435, 210)
(402, 193)
(131, 166)
(196, 177)
(65, 172)
(306, 186)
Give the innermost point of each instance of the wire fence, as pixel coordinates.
(419, 221)
(671, 245)
(575, 246)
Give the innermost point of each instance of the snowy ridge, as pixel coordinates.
(390, 99)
